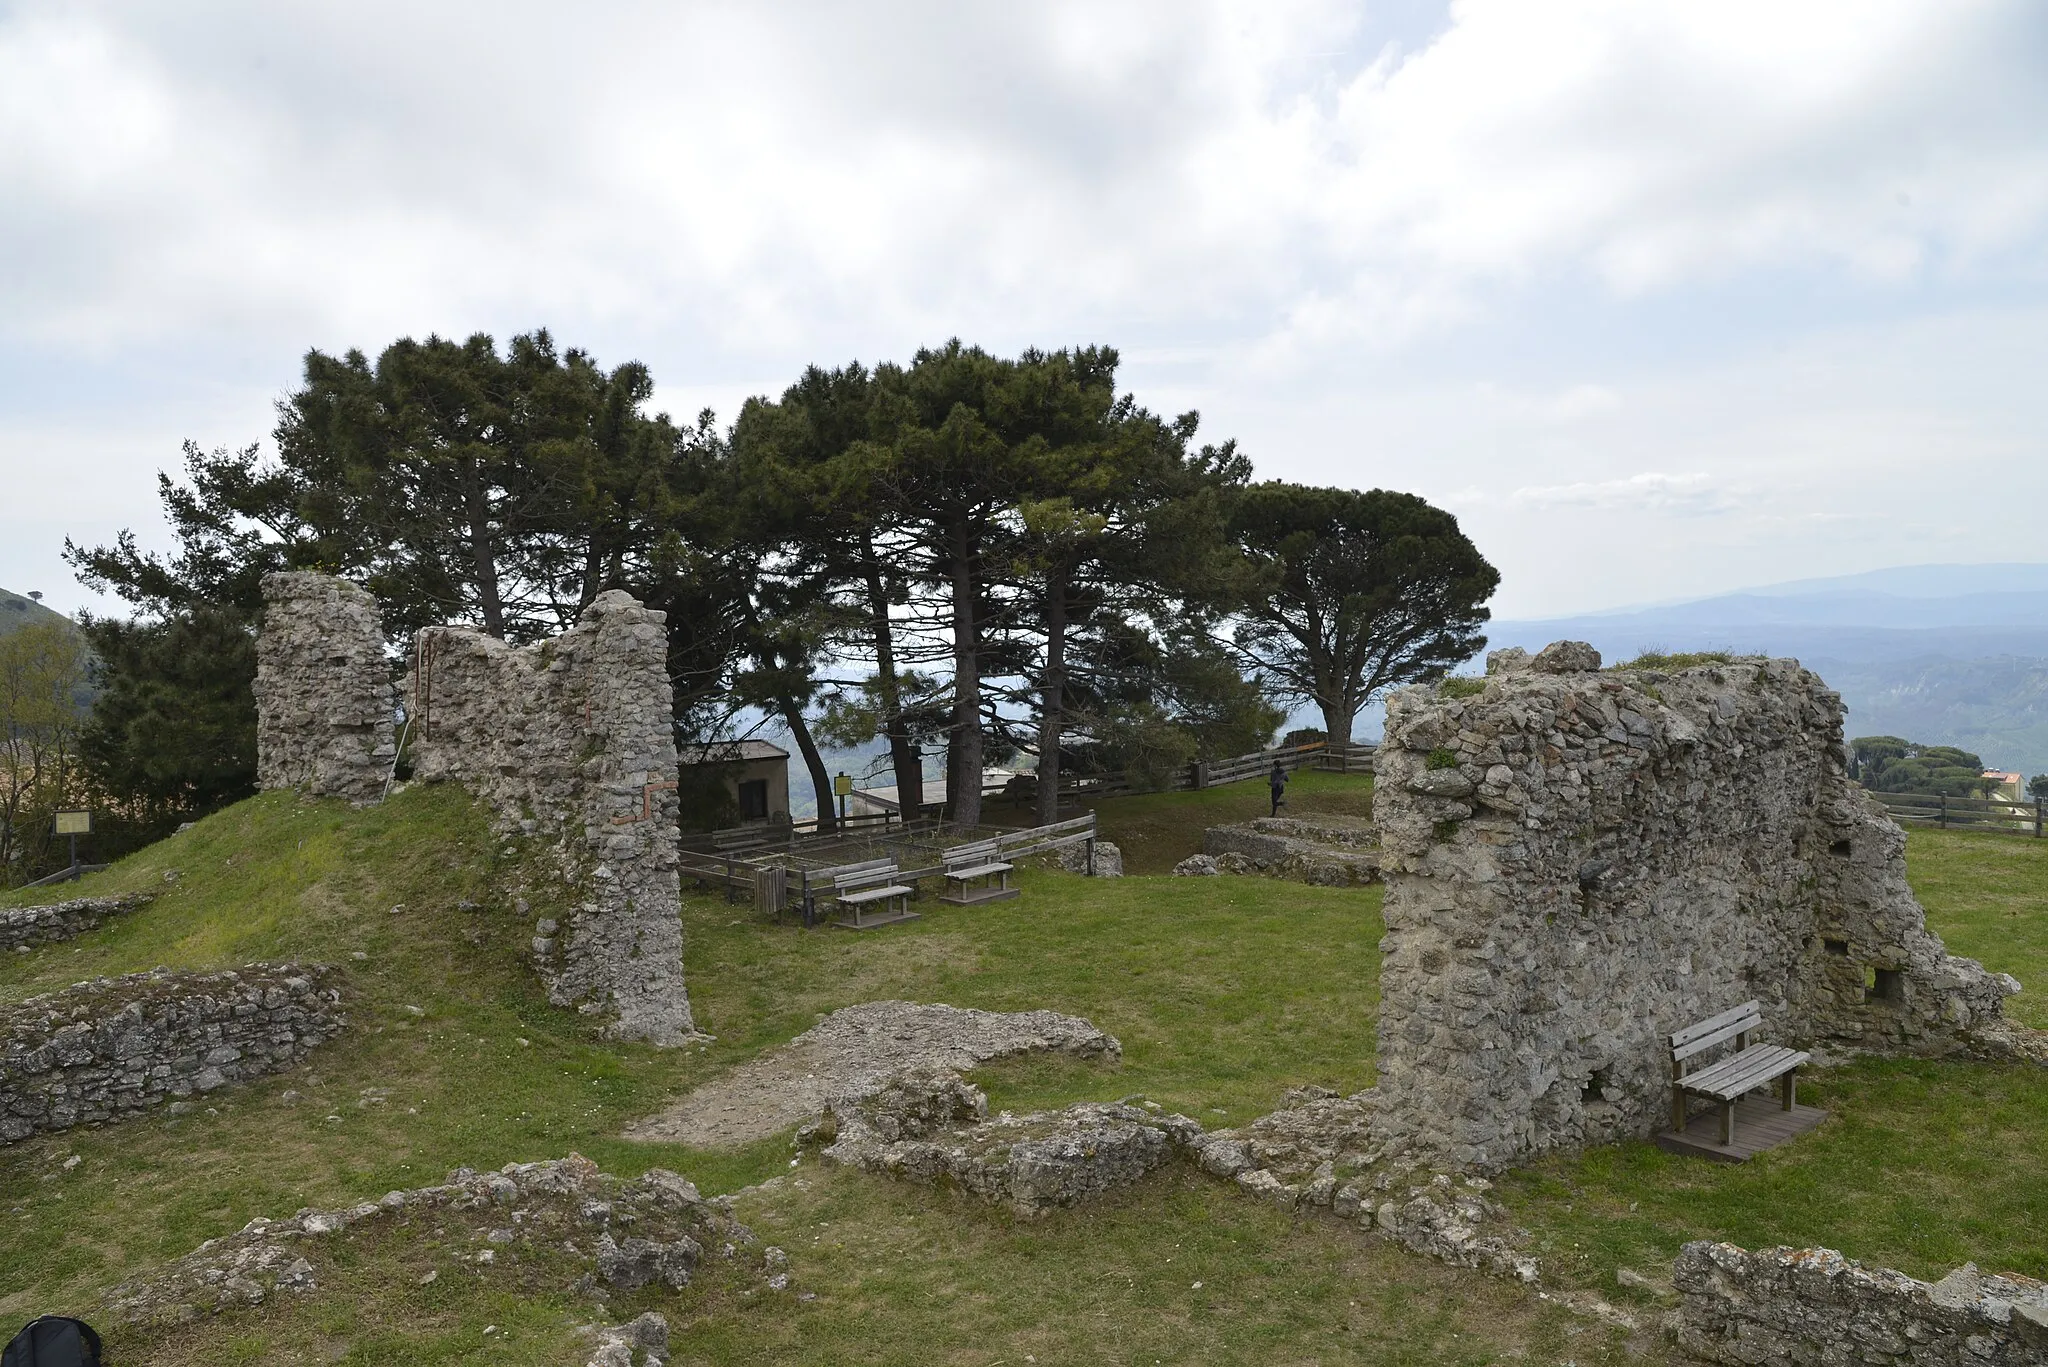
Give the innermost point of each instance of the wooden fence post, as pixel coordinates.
(2039, 803)
(1944, 811)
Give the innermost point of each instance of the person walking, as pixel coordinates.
(1277, 781)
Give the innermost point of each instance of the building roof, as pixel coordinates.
(729, 751)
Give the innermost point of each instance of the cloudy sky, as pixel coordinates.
(1660, 299)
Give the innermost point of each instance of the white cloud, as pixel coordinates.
(1485, 237)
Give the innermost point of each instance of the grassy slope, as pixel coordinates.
(1224, 991)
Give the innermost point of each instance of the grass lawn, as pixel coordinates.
(1224, 991)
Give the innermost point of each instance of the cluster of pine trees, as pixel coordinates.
(969, 554)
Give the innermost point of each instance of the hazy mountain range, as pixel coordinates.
(1945, 654)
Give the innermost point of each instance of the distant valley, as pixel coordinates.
(1944, 654)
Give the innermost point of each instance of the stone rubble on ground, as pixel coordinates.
(1197, 866)
(641, 1342)
(23, 928)
(1326, 851)
(110, 1048)
(933, 1129)
(1109, 859)
(654, 1229)
(1811, 1307)
(854, 1052)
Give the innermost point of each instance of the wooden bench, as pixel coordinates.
(861, 889)
(1726, 1081)
(971, 866)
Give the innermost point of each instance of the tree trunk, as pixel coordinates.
(1337, 723)
(1052, 699)
(484, 561)
(821, 782)
(963, 747)
(903, 756)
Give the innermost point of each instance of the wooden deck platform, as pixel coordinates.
(1760, 1123)
(877, 921)
(968, 899)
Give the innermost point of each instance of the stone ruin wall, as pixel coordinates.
(323, 689)
(1811, 1307)
(113, 1047)
(1579, 863)
(572, 740)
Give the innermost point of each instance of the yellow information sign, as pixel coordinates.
(74, 823)
(842, 785)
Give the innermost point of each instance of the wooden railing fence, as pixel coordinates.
(1965, 813)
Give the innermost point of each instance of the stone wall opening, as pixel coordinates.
(569, 740)
(1580, 862)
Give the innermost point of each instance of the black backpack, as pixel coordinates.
(53, 1341)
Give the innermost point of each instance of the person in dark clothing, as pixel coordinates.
(1277, 781)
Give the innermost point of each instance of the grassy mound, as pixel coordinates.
(1224, 991)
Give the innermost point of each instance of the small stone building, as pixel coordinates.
(755, 773)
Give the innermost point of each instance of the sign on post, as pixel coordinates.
(842, 785)
(73, 823)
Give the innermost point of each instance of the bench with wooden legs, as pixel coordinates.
(858, 891)
(971, 867)
(1726, 1081)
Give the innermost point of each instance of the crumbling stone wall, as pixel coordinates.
(106, 1049)
(323, 689)
(26, 927)
(1579, 863)
(573, 740)
(1811, 1307)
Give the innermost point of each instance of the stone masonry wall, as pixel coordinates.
(109, 1048)
(573, 740)
(23, 928)
(1784, 1307)
(323, 689)
(1579, 863)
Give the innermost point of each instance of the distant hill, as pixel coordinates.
(1945, 654)
(19, 610)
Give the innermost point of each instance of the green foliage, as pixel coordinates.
(1441, 758)
(1672, 662)
(42, 669)
(2037, 787)
(172, 735)
(1455, 687)
(1888, 764)
(1348, 593)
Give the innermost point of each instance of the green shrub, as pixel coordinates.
(1461, 688)
(1441, 758)
(1657, 659)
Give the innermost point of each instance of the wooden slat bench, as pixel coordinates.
(857, 891)
(971, 866)
(1726, 1081)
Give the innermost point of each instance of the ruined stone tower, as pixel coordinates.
(572, 740)
(324, 706)
(1579, 863)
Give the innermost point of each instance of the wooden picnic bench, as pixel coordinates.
(1726, 1081)
(857, 890)
(971, 866)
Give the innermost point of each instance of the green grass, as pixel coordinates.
(1988, 896)
(1671, 663)
(1224, 991)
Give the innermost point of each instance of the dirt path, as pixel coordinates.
(855, 1051)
